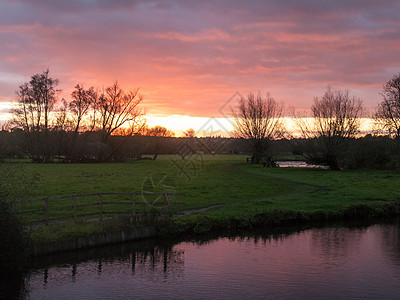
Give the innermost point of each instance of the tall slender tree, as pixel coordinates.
(82, 102)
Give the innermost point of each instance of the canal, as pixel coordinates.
(333, 262)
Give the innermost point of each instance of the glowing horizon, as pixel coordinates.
(202, 126)
(224, 126)
(205, 126)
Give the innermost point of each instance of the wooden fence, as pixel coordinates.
(44, 209)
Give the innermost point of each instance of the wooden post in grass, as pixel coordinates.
(74, 196)
(101, 207)
(133, 204)
(46, 210)
(165, 203)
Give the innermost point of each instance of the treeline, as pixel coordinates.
(370, 152)
(328, 133)
(81, 125)
(94, 125)
(367, 152)
(107, 124)
(119, 148)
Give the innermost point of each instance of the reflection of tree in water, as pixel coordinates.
(263, 239)
(130, 259)
(159, 260)
(264, 236)
(149, 259)
(330, 244)
(390, 235)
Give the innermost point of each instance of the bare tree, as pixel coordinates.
(82, 121)
(83, 100)
(35, 102)
(25, 116)
(43, 91)
(387, 116)
(118, 109)
(119, 114)
(61, 119)
(189, 133)
(158, 132)
(112, 112)
(259, 120)
(336, 117)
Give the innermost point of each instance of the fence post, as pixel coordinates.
(46, 210)
(101, 207)
(74, 196)
(165, 203)
(133, 204)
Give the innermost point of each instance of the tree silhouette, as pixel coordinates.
(83, 100)
(158, 132)
(258, 120)
(35, 102)
(118, 113)
(189, 133)
(117, 109)
(336, 117)
(387, 115)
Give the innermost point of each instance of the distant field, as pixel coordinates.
(226, 180)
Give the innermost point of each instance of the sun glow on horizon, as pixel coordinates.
(5, 111)
(224, 126)
(203, 126)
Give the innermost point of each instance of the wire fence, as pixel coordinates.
(70, 208)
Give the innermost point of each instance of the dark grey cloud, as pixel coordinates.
(202, 47)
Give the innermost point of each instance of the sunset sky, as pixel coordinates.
(190, 57)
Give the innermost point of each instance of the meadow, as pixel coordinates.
(216, 187)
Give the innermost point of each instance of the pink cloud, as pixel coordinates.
(189, 58)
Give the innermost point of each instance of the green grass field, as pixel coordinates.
(236, 188)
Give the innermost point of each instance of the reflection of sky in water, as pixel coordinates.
(298, 164)
(336, 262)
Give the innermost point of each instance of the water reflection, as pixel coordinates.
(299, 164)
(391, 242)
(363, 262)
(332, 244)
(146, 259)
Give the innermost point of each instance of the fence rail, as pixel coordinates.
(73, 215)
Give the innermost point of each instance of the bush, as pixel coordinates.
(14, 241)
(369, 153)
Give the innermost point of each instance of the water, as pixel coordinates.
(316, 263)
(299, 164)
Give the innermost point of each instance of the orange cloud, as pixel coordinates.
(190, 58)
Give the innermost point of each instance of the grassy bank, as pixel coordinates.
(223, 191)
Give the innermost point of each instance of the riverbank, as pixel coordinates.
(93, 240)
(198, 225)
(221, 192)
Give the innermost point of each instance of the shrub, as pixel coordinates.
(14, 241)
